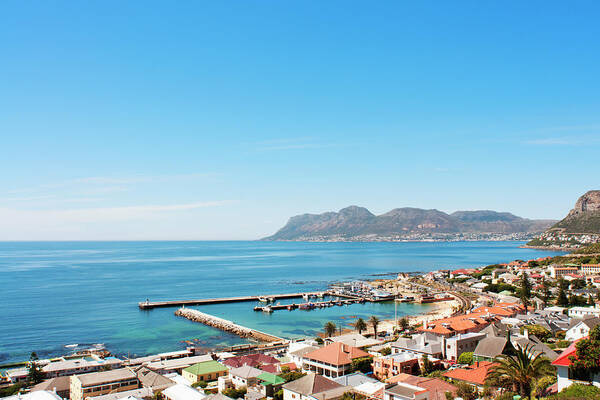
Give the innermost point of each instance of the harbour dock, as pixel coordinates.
(226, 325)
(148, 305)
(307, 306)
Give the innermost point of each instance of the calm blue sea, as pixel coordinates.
(58, 293)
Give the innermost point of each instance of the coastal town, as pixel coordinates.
(544, 312)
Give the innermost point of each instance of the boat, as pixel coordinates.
(263, 299)
(305, 296)
(267, 309)
(70, 346)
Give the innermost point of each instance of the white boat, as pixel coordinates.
(70, 346)
(263, 299)
(268, 309)
(305, 296)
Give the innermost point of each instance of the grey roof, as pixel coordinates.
(404, 390)
(591, 322)
(97, 378)
(245, 372)
(423, 343)
(310, 384)
(137, 393)
(537, 346)
(151, 379)
(304, 350)
(491, 346)
(62, 384)
(253, 395)
(496, 329)
(354, 379)
(217, 396)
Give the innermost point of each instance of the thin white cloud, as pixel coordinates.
(11, 216)
(563, 141)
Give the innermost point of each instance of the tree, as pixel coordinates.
(404, 323)
(520, 370)
(319, 340)
(363, 364)
(466, 391)
(524, 291)
(542, 384)
(426, 365)
(386, 351)
(562, 299)
(235, 393)
(291, 375)
(200, 384)
(330, 329)
(35, 373)
(360, 325)
(465, 358)
(374, 321)
(538, 331)
(586, 362)
(544, 291)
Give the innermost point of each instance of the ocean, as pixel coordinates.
(59, 293)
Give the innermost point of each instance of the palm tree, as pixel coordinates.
(519, 370)
(374, 321)
(330, 328)
(360, 325)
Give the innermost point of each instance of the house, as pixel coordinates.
(135, 394)
(420, 344)
(582, 312)
(490, 347)
(461, 343)
(473, 322)
(474, 374)
(99, 383)
(269, 383)
(177, 365)
(297, 351)
(253, 360)
(387, 366)
(206, 371)
(362, 384)
(480, 286)
(37, 395)
(404, 391)
(580, 328)
(560, 272)
(313, 387)
(60, 385)
(67, 367)
(244, 376)
(437, 388)
(563, 371)
(182, 392)
(332, 360)
(152, 380)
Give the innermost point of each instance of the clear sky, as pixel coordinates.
(221, 119)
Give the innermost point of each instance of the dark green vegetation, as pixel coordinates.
(353, 221)
(578, 391)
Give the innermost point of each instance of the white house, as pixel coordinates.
(182, 392)
(581, 329)
(461, 343)
(582, 312)
(313, 387)
(404, 391)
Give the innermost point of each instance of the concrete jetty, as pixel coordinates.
(226, 325)
(147, 305)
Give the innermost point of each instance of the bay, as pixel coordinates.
(59, 293)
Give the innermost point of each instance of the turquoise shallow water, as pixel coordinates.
(58, 293)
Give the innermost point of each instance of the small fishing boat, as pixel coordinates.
(263, 299)
(267, 309)
(305, 296)
(70, 346)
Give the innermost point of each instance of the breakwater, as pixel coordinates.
(225, 325)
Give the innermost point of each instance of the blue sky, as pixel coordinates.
(220, 120)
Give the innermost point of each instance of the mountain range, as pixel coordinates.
(358, 221)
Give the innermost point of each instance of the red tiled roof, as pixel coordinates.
(252, 360)
(336, 354)
(475, 373)
(563, 358)
(437, 388)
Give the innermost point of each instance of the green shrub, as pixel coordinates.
(561, 344)
(465, 358)
(506, 396)
(201, 384)
(578, 391)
